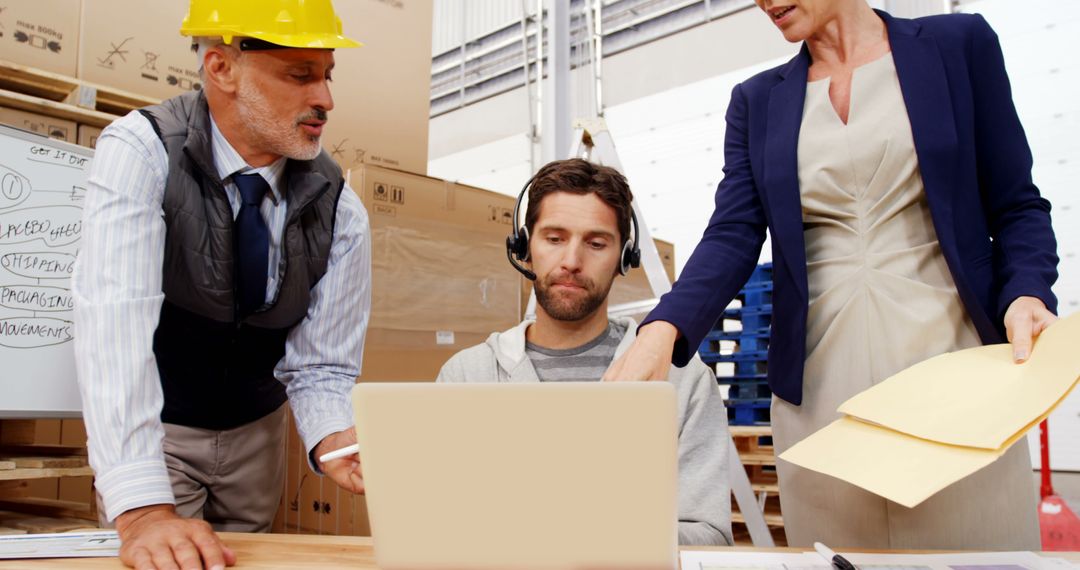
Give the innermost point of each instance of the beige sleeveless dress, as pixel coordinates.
(881, 299)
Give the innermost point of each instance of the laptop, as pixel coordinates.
(553, 476)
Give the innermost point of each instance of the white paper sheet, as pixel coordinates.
(723, 560)
(60, 545)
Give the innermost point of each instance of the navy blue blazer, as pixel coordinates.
(992, 224)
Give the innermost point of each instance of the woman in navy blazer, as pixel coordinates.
(991, 225)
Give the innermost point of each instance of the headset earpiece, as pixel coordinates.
(631, 253)
(625, 257)
(517, 243)
(523, 247)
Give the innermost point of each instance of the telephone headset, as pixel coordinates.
(517, 243)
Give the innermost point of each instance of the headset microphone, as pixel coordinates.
(510, 256)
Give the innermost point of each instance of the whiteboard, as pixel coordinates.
(42, 188)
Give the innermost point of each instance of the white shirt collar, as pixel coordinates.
(229, 162)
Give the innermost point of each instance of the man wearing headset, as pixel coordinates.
(576, 239)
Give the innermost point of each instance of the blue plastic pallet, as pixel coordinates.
(742, 356)
(762, 272)
(741, 377)
(712, 350)
(747, 369)
(748, 412)
(756, 294)
(751, 342)
(753, 319)
(737, 335)
(738, 313)
(752, 390)
(749, 397)
(757, 286)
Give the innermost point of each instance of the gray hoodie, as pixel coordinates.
(704, 493)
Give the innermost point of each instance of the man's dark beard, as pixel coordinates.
(576, 309)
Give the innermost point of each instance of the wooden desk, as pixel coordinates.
(291, 551)
(264, 551)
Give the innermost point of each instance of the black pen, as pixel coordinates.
(837, 561)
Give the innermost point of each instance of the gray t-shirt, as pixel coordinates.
(586, 363)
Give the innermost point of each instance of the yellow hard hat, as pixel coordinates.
(288, 23)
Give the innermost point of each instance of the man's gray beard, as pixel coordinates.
(270, 135)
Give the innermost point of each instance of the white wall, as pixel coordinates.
(723, 45)
(455, 21)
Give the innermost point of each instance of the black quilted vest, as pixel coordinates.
(217, 371)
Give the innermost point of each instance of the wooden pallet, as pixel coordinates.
(754, 444)
(63, 97)
(42, 461)
(20, 465)
(771, 519)
(54, 508)
(21, 523)
(749, 439)
(741, 536)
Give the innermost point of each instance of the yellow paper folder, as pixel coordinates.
(941, 420)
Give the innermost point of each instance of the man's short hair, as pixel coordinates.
(578, 176)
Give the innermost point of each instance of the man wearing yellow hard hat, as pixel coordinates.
(225, 269)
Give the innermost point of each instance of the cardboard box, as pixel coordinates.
(410, 357)
(311, 501)
(75, 489)
(54, 128)
(48, 432)
(316, 503)
(42, 34)
(288, 515)
(34, 432)
(127, 45)
(29, 432)
(381, 91)
(440, 281)
(88, 135)
(312, 504)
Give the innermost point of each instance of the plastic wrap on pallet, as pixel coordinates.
(431, 276)
(438, 254)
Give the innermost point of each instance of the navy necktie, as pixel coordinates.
(252, 239)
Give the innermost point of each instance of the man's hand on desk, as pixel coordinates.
(156, 538)
(345, 471)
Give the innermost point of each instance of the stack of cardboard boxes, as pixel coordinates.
(381, 89)
(440, 280)
(45, 35)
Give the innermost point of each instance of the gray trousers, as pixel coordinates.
(232, 479)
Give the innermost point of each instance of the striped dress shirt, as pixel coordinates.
(118, 297)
